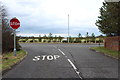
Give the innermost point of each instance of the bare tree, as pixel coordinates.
(7, 32)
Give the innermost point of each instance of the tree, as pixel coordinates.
(93, 37)
(109, 19)
(79, 38)
(40, 39)
(55, 38)
(60, 38)
(44, 38)
(79, 35)
(71, 39)
(87, 37)
(7, 37)
(87, 34)
(33, 38)
(50, 37)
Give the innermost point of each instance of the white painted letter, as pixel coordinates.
(56, 56)
(50, 57)
(43, 57)
(37, 58)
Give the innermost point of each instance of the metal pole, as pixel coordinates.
(14, 42)
(68, 28)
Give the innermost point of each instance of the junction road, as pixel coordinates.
(47, 60)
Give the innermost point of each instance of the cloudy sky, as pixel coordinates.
(51, 16)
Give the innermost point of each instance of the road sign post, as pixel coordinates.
(14, 42)
(15, 24)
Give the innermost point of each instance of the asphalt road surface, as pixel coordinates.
(63, 61)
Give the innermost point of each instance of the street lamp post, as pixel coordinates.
(68, 28)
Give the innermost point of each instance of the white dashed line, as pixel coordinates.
(61, 52)
(72, 64)
(74, 67)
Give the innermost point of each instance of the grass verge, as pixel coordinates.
(9, 60)
(112, 53)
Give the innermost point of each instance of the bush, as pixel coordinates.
(31, 40)
(44, 40)
(64, 41)
(49, 41)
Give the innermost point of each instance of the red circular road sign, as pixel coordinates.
(15, 23)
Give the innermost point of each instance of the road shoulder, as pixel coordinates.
(106, 52)
(21, 55)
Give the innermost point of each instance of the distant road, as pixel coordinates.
(63, 61)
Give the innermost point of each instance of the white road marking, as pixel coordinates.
(48, 57)
(61, 52)
(78, 73)
(72, 64)
(74, 67)
(56, 56)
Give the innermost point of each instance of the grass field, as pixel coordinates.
(8, 59)
(112, 53)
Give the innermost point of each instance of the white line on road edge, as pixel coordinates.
(61, 52)
(78, 73)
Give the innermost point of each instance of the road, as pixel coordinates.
(63, 61)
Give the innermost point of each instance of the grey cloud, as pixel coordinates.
(36, 18)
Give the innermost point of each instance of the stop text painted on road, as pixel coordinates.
(48, 57)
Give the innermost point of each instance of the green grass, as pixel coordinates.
(112, 53)
(8, 59)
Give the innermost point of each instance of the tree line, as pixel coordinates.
(51, 38)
